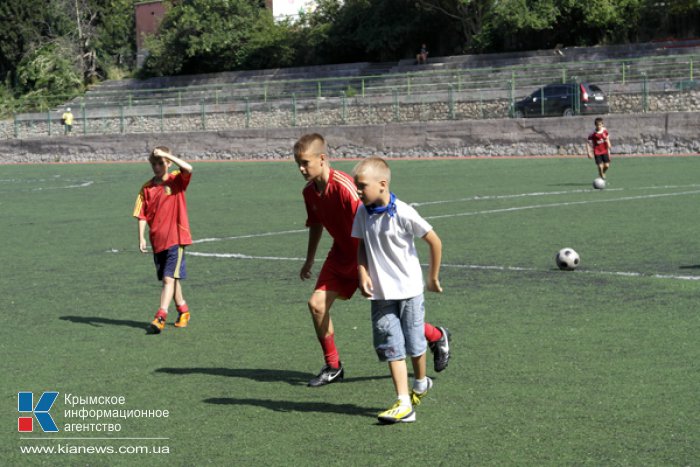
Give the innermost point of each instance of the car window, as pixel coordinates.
(554, 91)
(595, 88)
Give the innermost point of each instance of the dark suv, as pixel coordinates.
(565, 99)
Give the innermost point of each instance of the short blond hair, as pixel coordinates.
(152, 158)
(308, 142)
(375, 165)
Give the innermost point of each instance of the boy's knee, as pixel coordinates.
(317, 306)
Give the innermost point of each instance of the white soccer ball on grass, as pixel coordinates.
(567, 259)
(599, 183)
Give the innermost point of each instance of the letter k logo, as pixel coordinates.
(25, 403)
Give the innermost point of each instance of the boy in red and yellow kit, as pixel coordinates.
(599, 147)
(161, 205)
(331, 201)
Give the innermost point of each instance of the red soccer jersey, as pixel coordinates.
(335, 210)
(164, 207)
(600, 147)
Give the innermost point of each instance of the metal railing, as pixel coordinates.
(639, 85)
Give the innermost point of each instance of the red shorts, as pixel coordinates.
(338, 276)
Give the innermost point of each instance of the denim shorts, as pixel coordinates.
(398, 329)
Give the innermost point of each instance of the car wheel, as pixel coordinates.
(568, 112)
(518, 114)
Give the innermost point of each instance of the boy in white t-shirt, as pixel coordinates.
(390, 275)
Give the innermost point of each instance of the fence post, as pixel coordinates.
(563, 75)
(691, 69)
(14, 117)
(121, 118)
(204, 118)
(459, 82)
(247, 113)
(451, 104)
(48, 120)
(397, 114)
(645, 103)
(179, 98)
(623, 73)
(265, 93)
(408, 84)
(294, 109)
(541, 101)
(344, 108)
(318, 89)
(216, 97)
(130, 100)
(363, 88)
(161, 115)
(82, 109)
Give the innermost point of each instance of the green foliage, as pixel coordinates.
(199, 36)
(48, 76)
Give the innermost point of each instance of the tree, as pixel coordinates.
(199, 36)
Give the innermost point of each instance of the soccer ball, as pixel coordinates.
(599, 183)
(567, 259)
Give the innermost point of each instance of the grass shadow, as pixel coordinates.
(99, 322)
(290, 406)
(263, 375)
(690, 266)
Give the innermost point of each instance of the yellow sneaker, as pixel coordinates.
(182, 320)
(398, 413)
(417, 397)
(157, 325)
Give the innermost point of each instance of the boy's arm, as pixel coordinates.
(362, 271)
(435, 245)
(186, 166)
(143, 247)
(315, 233)
(607, 142)
(589, 148)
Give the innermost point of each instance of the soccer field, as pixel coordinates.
(597, 366)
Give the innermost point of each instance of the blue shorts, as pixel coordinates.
(398, 328)
(171, 263)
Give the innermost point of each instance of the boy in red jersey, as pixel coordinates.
(598, 146)
(161, 205)
(331, 201)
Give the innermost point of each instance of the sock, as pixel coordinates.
(183, 308)
(330, 352)
(420, 385)
(162, 312)
(432, 333)
(404, 399)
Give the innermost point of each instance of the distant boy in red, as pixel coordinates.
(599, 147)
(331, 201)
(161, 205)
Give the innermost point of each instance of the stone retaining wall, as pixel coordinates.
(664, 133)
(330, 112)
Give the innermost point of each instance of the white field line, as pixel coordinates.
(565, 203)
(545, 193)
(241, 256)
(264, 234)
(468, 266)
(474, 266)
(81, 185)
(684, 277)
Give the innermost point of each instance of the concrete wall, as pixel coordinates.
(663, 133)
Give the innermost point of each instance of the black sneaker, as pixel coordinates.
(327, 375)
(441, 350)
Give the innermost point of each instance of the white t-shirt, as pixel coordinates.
(392, 258)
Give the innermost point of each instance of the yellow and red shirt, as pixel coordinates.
(163, 206)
